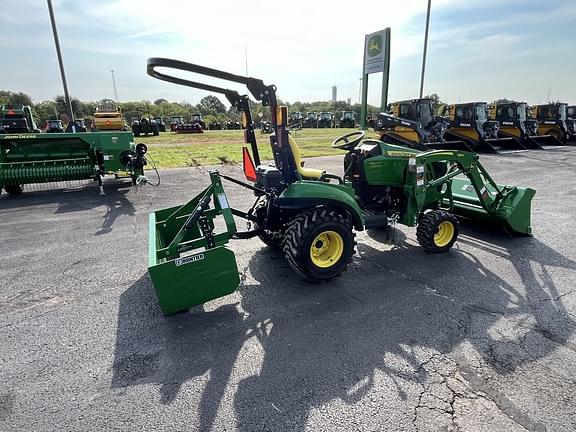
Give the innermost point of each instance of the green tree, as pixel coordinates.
(436, 102)
(211, 105)
(8, 97)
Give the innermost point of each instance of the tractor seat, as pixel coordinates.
(305, 173)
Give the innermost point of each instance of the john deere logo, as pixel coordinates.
(375, 46)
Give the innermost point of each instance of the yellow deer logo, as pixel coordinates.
(375, 46)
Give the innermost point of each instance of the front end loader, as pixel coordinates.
(513, 121)
(411, 123)
(469, 123)
(309, 213)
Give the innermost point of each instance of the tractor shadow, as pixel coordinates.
(77, 198)
(329, 342)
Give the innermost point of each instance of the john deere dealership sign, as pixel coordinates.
(376, 59)
(375, 51)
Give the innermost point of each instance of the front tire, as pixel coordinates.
(437, 231)
(319, 244)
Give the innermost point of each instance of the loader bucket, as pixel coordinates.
(188, 262)
(504, 145)
(512, 213)
(546, 141)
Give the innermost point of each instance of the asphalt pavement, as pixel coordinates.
(482, 338)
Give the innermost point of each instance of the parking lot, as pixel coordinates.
(478, 339)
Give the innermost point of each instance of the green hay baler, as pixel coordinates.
(59, 157)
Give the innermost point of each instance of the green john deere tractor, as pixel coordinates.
(311, 214)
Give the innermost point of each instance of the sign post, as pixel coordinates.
(376, 59)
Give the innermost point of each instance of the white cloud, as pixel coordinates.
(302, 47)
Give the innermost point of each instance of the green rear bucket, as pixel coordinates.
(512, 213)
(188, 262)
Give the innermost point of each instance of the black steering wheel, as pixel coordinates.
(349, 140)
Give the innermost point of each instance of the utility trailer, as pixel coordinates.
(58, 157)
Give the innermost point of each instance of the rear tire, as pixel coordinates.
(319, 244)
(13, 189)
(437, 231)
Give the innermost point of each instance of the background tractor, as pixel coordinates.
(311, 214)
(175, 121)
(571, 120)
(54, 126)
(348, 119)
(17, 119)
(295, 120)
(266, 127)
(311, 120)
(145, 126)
(196, 125)
(233, 125)
(161, 124)
(214, 125)
(325, 120)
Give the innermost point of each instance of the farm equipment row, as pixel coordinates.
(312, 214)
(323, 119)
(478, 127)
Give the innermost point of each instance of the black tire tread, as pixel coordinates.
(299, 230)
(427, 229)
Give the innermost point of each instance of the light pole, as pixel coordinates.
(425, 49)
(114, 86)
(60, 62)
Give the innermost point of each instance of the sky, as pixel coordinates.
(478, 49)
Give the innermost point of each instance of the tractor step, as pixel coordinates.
(373, 220)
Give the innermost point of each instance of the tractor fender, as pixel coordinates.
(305, 194)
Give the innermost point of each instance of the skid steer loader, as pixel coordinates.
(469, 123)
(571, 121)
(310, 213)
(551, 120)
(412, 123)
(512, 119)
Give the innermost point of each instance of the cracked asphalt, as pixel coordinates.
(482, 338)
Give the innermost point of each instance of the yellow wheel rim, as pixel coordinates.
(326, 249)
(444, 234)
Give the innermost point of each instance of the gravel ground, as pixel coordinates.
(479, 339)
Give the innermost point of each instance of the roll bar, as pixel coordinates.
(260, 91)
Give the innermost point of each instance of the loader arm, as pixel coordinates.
(478, 197)
(386, 120)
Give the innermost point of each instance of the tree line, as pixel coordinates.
(211, 107)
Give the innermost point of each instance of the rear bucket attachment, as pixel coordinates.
(502, 205)
(188, 262)
(447, 145)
